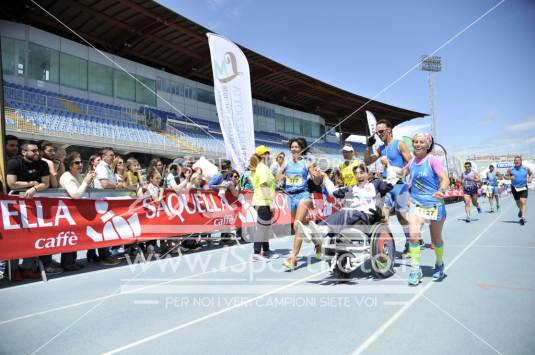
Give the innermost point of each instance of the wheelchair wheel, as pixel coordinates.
(383, 251)
(343, 269)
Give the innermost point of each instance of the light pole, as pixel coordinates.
(430, 65)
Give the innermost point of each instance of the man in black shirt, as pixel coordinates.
(29, 173)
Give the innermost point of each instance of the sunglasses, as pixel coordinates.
(235, 176)
(381, 131)
(78, 162)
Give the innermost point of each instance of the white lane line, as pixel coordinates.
(211, 315)
(151, 302)
(134, 291)
(383, 328)
(395, 303)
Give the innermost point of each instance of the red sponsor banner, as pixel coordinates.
(43, 225)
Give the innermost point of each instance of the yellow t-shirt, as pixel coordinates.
(348, 177)
(263, 175)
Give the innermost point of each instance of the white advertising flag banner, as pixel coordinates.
(232, 90)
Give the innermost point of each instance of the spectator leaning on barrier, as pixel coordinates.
(133, 177)
(153, 190)
(119, 170)
(75, 186)
(106, 179)
(28, 172)
(158, 165)
(221, 176)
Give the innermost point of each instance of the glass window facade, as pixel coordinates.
(13, 56)
(100, 79)
(73, 71)
(50, 65)
(296, 126)
(43, 63)
(125, 86)
(143, 94)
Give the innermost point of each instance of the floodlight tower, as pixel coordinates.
(430, 65)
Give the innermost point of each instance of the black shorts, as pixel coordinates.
(470, 191)
(519, 194)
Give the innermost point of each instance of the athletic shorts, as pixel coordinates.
(470, 190)
(441, 212)
(399, 196)
(519, 194)
(293, 200)
(493, 190)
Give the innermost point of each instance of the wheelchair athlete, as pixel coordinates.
(360, 207)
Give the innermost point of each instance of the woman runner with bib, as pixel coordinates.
(428, 184)
(296, 174)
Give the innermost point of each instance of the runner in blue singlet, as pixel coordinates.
(492, 191)
(398, 156)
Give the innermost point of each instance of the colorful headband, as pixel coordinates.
(427, 136)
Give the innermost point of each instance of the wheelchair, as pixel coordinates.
(363, 241)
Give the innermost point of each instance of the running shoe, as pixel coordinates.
(270, 255)
(467, 219)
(290, 263)
(478, 209)
(257, 258)
(522, 221)
(438, 272)
(519, 214)
(317, 249)
(415, 276)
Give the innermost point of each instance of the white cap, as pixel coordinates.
(347, 148)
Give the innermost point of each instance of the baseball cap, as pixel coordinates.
(261, 150)
(347, 148)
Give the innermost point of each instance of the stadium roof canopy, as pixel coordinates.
(148, 33)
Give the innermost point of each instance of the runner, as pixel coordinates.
(520, 177)
(470, 179)
(296, 174)
(492, 189)
(398, 155)
(428, 184)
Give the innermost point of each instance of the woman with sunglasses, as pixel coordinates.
(72, 181)
(119, 170)
(428, 184)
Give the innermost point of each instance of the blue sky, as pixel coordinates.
(485, 94)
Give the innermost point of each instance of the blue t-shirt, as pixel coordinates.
(521, 177)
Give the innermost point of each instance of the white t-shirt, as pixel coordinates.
(364, 198)
(103, 171)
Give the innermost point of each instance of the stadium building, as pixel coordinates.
(57, 87)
